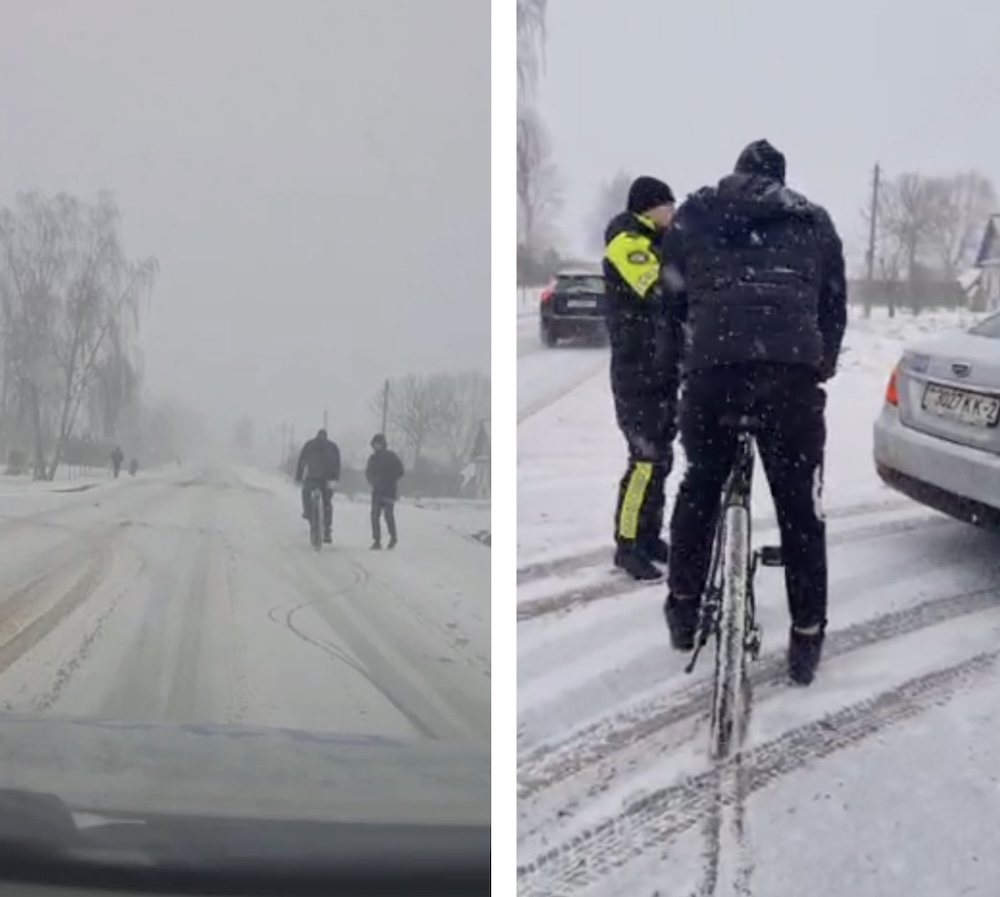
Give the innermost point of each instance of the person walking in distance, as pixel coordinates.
(383, 472)
(643, 387)
(757, 279)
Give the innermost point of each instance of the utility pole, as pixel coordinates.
(385, 407)
(872, 231)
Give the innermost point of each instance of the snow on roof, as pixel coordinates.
(969, 279)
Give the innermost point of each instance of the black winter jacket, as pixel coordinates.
(763, 278)
(644, 389)
(383, 472)
(319, 460)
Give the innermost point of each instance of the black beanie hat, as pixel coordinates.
(647, 193)
(761, 158)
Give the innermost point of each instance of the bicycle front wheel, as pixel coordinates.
(728, 699)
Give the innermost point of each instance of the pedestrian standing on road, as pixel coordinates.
(643, 387)
(758, 275)
(383, 472)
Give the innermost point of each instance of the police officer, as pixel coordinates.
(764, 301)
(644, 387)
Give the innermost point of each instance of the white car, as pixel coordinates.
(937, 439)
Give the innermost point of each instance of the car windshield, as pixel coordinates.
(245, 506)
(989, 327)
(587, 283)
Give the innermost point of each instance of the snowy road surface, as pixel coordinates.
(879, 779)
(192, 595)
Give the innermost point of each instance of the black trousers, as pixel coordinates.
(639, 511)
(307, 487)
(387, 506)
(791, 406)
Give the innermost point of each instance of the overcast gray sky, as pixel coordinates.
(676, 89)
(313, 177)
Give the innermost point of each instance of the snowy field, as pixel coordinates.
(192, 595)
(880, 779)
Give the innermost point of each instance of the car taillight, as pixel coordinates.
(547, 293)
(892, 389)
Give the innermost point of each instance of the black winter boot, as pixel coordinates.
(657, 550)
(630, 559)
(804, 652)
(682, 621)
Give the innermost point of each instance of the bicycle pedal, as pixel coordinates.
(755, 636)
(770, 556)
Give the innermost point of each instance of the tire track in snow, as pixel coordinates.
(570, 563)
(620, 584)
(551, 764)
(660, 817)
(28, 614)
(25, 604)
(284, 615)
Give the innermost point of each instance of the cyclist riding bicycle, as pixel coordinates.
(319, 465)
(757, 275)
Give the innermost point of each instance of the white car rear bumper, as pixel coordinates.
(953, 478)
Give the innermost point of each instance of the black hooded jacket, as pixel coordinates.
(762, 270)
(383, 472)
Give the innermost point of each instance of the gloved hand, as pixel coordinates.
(827, 369)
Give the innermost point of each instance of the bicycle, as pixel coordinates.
(728, 609)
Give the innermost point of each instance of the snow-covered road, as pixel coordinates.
(616, 795)
(192, 595)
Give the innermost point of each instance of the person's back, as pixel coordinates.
(319, 459)
(762, 297)
(319, 464)
(757, 263)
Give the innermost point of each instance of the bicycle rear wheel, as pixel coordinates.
(316, 527)
(729, 693)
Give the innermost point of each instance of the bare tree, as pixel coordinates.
(70, 300)
(531, 35)
(612, 197)
(466, 403)
(539, 192)
(417, 411)
(966, 202)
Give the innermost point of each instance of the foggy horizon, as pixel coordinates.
(904, 89)
(311, 177)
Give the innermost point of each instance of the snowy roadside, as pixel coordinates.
(615, 795)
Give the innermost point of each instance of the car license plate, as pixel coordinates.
(581, 303)
(964, 407)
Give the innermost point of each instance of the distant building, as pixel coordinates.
(988, 263)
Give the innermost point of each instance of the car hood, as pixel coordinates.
(108, 767)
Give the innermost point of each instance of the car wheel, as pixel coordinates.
(548, 335)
